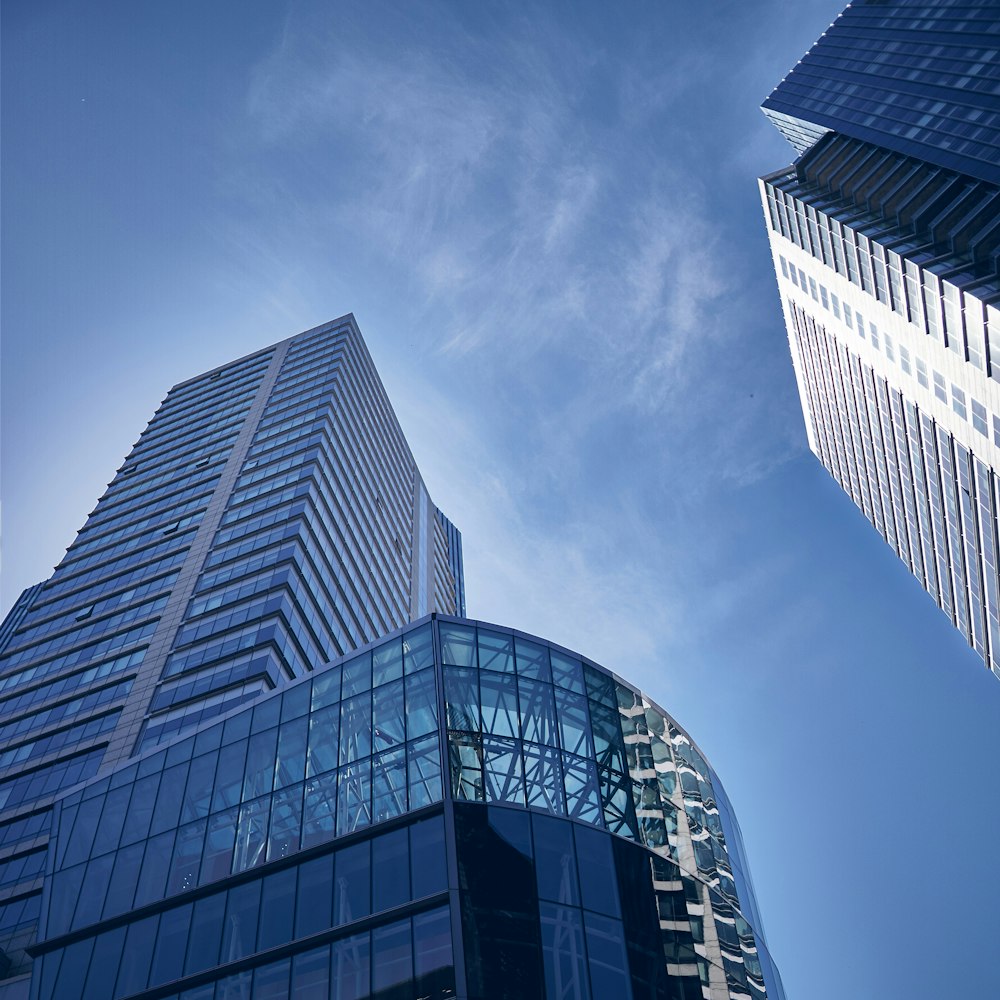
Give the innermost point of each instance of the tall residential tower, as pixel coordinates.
(269, 519)
(885, 234)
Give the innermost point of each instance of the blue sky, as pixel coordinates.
(545, 218)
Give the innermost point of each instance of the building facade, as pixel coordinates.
(919, 77)
(269, 519)
(885, 235)
(459, 811)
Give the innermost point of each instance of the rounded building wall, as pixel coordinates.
(364, 830)
(531, 724)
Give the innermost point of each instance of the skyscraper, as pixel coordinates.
(269, 519)
(460, 810)
(885, 235)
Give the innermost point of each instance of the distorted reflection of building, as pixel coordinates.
(885, 235)
(460, 810)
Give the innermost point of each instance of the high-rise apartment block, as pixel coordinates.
(269, 519)
(253, 749)
(885, 234)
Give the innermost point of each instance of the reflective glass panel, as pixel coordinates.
(350, 975)
(458, 645)
(563, 953)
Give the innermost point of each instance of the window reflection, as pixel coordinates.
(563, 953)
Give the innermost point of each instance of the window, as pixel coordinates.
(784, 265)
(904, 360)
(795, 279)
(940, 387)
(835, 304)
(802, 279)
(848, 319)
(889, 353)
(979, 417)
(824, 297)
(958, 402)
(873, 330)
(996, 429)
(812, 289)
(922, 374)
(861, 325)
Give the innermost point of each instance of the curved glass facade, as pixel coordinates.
(461, 810)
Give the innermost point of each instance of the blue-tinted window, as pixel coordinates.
(607, 957)
(73, 968)
(350, 968)
(596, 864)
(392, 961)
(387, 663)
(277, 909)
(538, 712)
(387, 719)
(555, 862)
(324, 726)
(270, 982)
(458, 645)
(563, 954)
(290, 764)
(499, 704)
(352, 895)
(239, 933)
(90, 902)
(316, 896)
(421, 704)
(319, 810)
(567, 672)
(390, 870)
(104, 965)
(311, 975)
(171, 942)
(432, 951)
(206, 932)
(124, 875)
(136, 956)
(152, 875)
(427, 854)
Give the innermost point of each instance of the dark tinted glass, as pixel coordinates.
(350, 967)
(352, 898)
(390, 870)
(606, 957)
(429, 871)
(563, 954)
(171, 942)
(598, 885)
(206, 933)
(555, 864)
(311, 975)
(316, 893)
(392, 961)
(136, 957)
(239, 932)
(104, 965)
(277, 909)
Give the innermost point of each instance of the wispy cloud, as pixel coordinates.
(569, 278)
